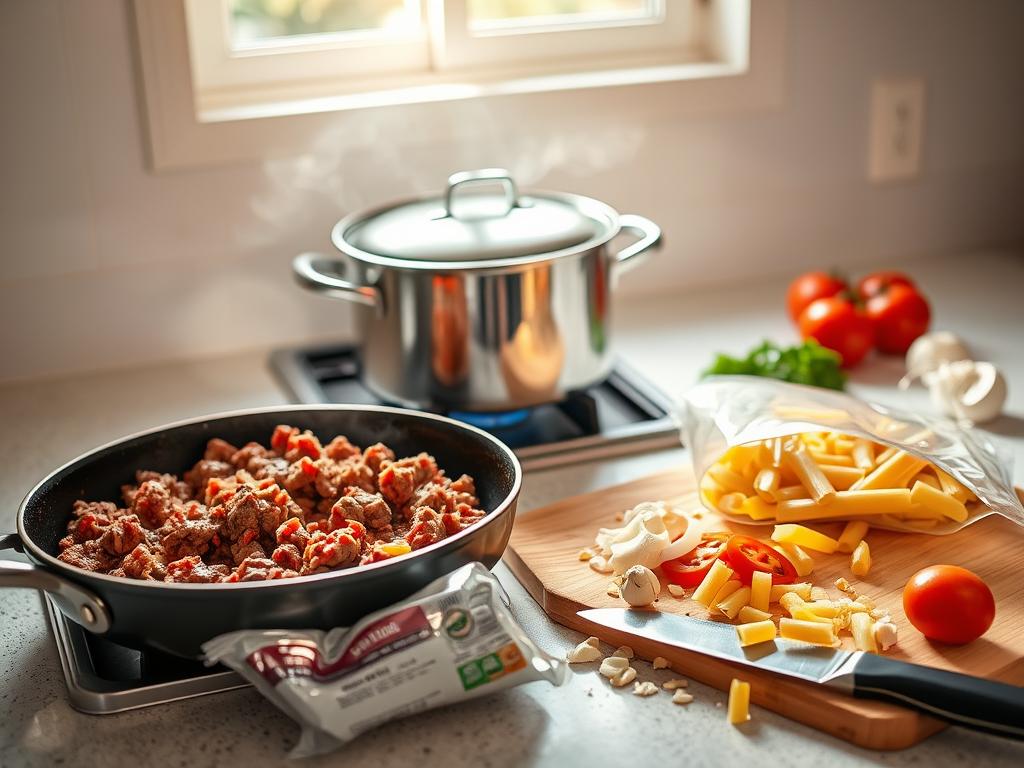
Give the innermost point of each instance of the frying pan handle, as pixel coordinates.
(308, 272)
(74, 601)
(650, 237)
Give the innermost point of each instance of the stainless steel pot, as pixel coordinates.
(481, 302)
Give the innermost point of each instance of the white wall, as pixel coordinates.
(105, 264)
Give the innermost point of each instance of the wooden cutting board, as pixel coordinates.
(543, 553)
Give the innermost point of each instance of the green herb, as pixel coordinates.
(809, 363)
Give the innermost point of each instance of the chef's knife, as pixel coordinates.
(974, 702)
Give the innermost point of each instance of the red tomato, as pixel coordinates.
(949, 604)
(900, 314)
(689, 570)
(745, 555)
(877, 282)
(838, 325)
(811, 286)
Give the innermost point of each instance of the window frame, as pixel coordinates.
(738, 66)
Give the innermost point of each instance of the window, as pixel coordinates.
(248, 51)
(240, 80)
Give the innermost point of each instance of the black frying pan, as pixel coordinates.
(178, 618)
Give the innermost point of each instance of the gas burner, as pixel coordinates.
(624, 414)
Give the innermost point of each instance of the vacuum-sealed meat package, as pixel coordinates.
(451, 641)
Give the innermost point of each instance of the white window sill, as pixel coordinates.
(457, 90)
(188, 132)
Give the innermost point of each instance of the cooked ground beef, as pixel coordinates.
(313, 507)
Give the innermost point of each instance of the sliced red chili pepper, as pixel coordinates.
(689, 570)
(745, 555)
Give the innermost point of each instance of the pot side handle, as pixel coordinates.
(309, 275)
(74, 601)
(650, 237)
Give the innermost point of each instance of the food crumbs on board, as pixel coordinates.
(627, 676)
(660, 662)
(585, 554)
(644, 689)
(681, 697)
(676, 591)
(675, 684)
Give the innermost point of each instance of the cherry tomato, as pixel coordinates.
(949, 604)
(900, 314)
(745, 555)
(689, 570)
(811, 286)
(877, 282)
(838, 325)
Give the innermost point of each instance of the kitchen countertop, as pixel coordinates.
(583, 723)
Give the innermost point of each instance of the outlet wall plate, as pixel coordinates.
(897, 129)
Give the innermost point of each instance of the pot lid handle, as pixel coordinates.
(482, 175)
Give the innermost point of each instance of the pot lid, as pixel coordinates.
(464, 226)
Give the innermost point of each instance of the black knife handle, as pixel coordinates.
(984, 705)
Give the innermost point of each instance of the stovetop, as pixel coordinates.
(623, 415)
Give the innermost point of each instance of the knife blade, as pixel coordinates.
(973, 702)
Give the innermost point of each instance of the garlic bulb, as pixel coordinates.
(928, 352)
(968, 390)
(639, 586)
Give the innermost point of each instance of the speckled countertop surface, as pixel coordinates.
(582, 723)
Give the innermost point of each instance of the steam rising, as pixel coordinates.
(371, 156)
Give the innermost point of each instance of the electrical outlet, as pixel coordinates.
(897, 129)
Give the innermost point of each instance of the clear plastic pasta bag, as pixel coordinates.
(453, 640)
(726, 411)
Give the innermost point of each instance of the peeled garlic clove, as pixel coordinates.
(639, 586)
(968, 390)
(928, 352)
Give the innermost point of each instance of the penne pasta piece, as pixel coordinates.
(807, 631)
(894, 472)
(802, 590)
(885, 455)
(714, 580)
(790, 492)
(803, 562)
(730, 479)
(799, 460)
(756, 632)
(804, 537)
(760, 590)
(953, 487)
(927, 478)
(861, 625)
(730, 503)
(843, 444)
(728, 590)
(777, 451)
(757, 508)
(832, 458)
(749, 614)
(739, 702)
(852, 535)
(863, 454)
(790, 601)
(845, 505)
(766, 483)
(936, 500)
(841, 477)
(803, 613)
(742, 457)
(814, 443)
(732, 604)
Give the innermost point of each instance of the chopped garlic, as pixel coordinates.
(681, 697)
(646, 688)
(599, 564)
(583, 653)
(885, 634)
(624, 651)
(612, 590)
(675, 683)
(818, 593)
(585, 554)
(627, 676)
(613, 666)
(676, 591)
(660, 662)
(844, 586)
